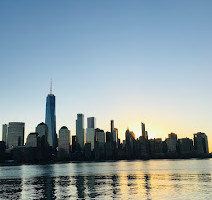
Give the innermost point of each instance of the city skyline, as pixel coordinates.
(122, 61)
(83, 135)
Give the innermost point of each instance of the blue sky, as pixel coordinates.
(130, 61)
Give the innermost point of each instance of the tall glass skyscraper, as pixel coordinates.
(80, 131)
(51, 120)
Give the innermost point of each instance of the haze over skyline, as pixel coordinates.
(129, 61)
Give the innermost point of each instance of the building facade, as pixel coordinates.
(4, 133)
(90, 131)
(201, 143)
(51, 120)
(144, 133)
(80, 131)
(64, 142)
(91, 122)
(33, 140)
(15, 134)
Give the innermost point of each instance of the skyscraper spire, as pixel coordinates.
(51, 87)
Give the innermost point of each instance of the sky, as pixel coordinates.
(129, 61)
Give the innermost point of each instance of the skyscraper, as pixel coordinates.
(201, 142)
(33, 140)
(42, 130)
(91, 122)
(4, 132)
(90, 131)
(64, 142)
(15, 134)
(143, 130)
(80, 131)
(112, 126)
(51, 119)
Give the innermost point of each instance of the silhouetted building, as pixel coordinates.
(143, 131)
(109, 137)
(2, 151)
(51, 120)
(108, 151)
(147, 135)
(100, 139)
(88, 155)
(15, 134)
(172, 135)
(143, 147)
(33, 140)
(4, 133)
(115, 135)
(112, 125)
(96, 150)
(156, 147)
(42, 130)
(185, 145)
(25, 154)
(64, 142)
(171, 145)
(201, 143)
(74, 143)
(80, 131)
(130, 143)
(171, 142)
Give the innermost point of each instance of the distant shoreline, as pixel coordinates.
(96, 161)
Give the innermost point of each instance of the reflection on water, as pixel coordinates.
(123, 180)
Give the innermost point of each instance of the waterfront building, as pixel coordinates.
(4, 133)
(90, 136)
(156, 147)
(143, 131)
(100, 142)
(74, 144)
(64, 142)
(42, 130)
(90, 131)
(88, 154)
(80, 131)
(15, 134)
(185, 145)
(130, 143)
(201, 142)
(143, 146)
(51, 120)
(108, 151)
(100, 136)
(33, 140)
(2, 151)
(171, 145)
(26, 154)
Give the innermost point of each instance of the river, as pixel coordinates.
(152, 179)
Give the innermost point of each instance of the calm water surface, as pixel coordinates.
(154, 179)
